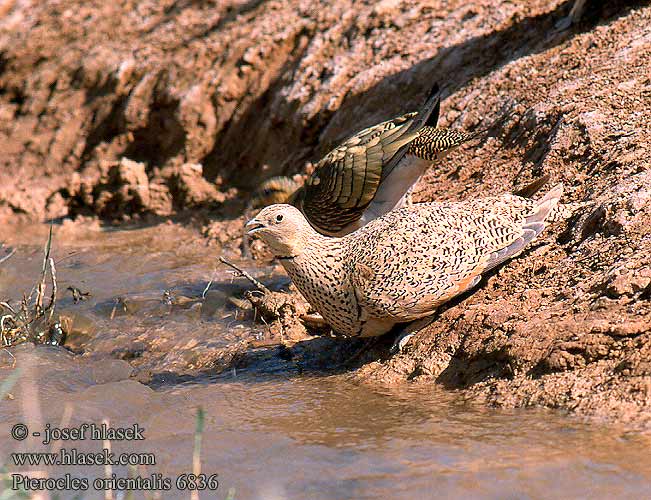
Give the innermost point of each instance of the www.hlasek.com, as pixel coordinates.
(105, 457)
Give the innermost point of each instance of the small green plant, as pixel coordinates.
(8, 493)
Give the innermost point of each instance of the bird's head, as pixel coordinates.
(283, 228)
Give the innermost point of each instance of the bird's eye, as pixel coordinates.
(279, 217)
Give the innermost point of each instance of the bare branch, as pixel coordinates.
(53, 297)
(245, 275)
(6, 257)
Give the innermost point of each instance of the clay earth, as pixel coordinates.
(173, 111)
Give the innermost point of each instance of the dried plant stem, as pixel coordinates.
(41, 286)
(108, 469)
(31, 320)
(205, 290)
(6, 257)
(196, 454)
(53, 297)
(245, 275)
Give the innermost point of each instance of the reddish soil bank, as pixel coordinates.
(119, 109)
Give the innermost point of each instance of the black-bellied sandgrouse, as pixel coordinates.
(372, 172)
(403, 265)
(272, 191)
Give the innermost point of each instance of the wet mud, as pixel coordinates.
(144, 146)
(149, 345)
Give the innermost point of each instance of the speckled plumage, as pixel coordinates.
(403, 265)
(432, 142)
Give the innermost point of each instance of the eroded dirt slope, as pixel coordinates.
(124, 108)
(247, 89)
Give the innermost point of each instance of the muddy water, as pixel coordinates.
(270, 431)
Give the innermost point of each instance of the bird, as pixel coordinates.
(371, 172)
(273, 191)
(400, 267)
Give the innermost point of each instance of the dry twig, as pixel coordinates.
(6, 257)
(32, 322)
(245, 275)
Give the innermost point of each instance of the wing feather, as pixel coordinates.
(347, 179)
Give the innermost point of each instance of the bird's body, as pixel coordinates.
(403, 265)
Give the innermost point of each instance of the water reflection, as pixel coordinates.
(326, 437)
(275, 433)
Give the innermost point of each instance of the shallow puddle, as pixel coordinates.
(269, 433)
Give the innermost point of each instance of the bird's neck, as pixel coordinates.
(310, 243)
(321, 274)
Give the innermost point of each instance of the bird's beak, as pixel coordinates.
(253, 226)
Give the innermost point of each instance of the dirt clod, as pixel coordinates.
(112, 111)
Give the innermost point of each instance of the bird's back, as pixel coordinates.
(415, 258)
(419, 229)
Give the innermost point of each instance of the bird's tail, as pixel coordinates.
(533, 187)
(433, 142)
(532, 227)
(545, 206)
(535, 223)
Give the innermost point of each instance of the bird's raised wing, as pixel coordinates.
(346, 180)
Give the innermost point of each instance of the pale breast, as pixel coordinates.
(323, 278)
